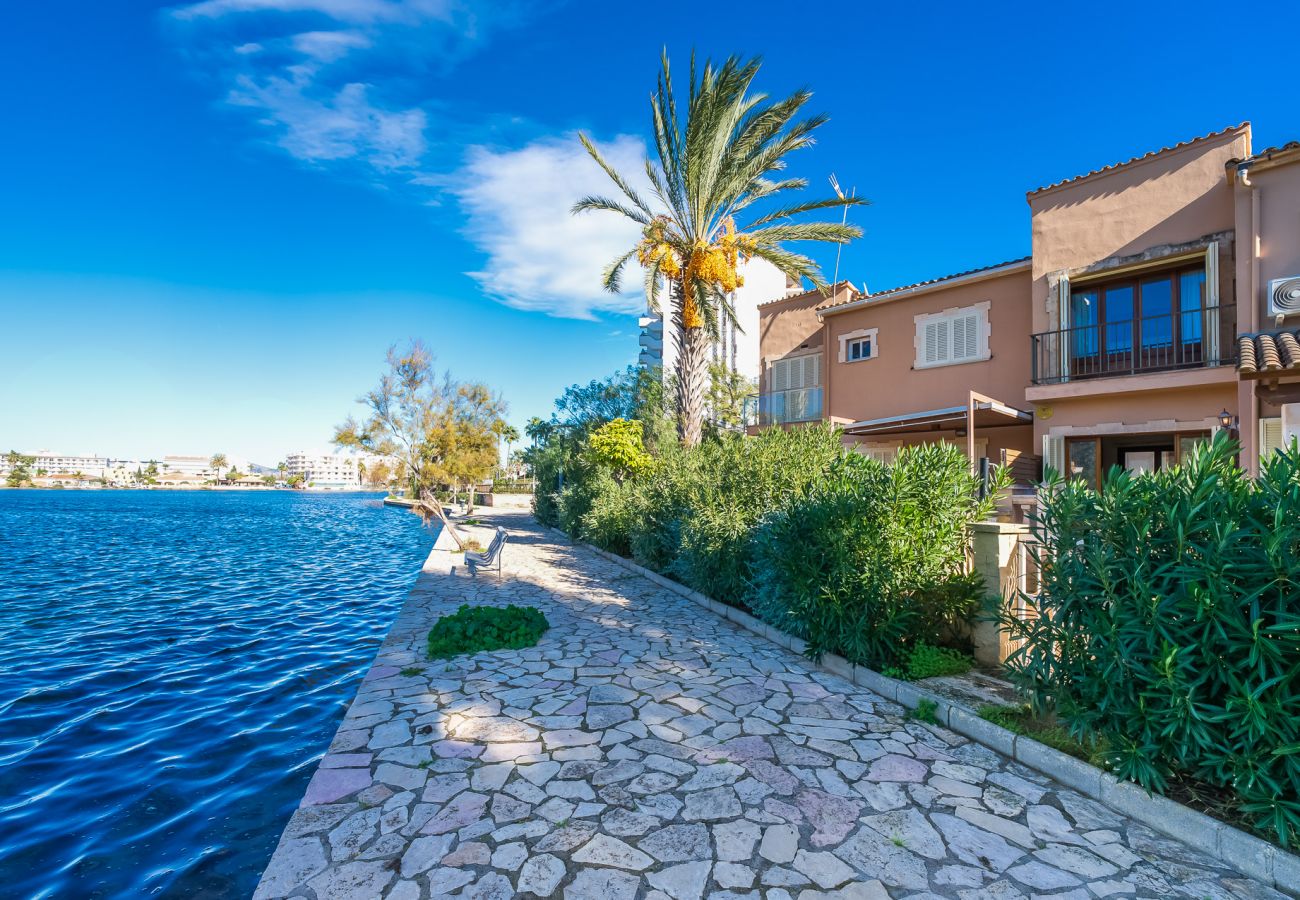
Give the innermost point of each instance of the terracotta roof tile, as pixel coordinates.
(1274, 351)
(928, 282)
(1144, 156)
(1268, 152)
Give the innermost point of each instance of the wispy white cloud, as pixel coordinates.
(336, 83)
(540, 257)
(358, 11)
(304, 68)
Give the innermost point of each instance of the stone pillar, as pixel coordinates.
(994, 546)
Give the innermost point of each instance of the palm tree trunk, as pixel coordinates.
(692, 378)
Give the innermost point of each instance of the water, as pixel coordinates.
(172, 664)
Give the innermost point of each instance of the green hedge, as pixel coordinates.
(857, 557)
(871, 564)
(1168, 625)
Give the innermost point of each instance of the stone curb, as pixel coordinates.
(1248, 854)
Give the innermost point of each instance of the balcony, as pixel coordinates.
(784, 407)
(1193, 339)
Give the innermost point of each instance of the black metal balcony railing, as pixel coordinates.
(784, 407)
(1188, 340)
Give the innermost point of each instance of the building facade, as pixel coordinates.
(324, 471)
(1160, 303)
(51, 463)
(736, 347)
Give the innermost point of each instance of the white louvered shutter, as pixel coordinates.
(965, 336)
(1270, 436)
(780, 375)
(1053, 454)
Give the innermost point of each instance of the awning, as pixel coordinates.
(984, 411)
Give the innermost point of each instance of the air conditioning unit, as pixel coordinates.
(1284, 296)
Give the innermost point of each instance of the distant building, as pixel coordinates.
(200, 466)
(52, 463)
(324, 471)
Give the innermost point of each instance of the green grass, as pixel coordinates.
(925, 712)
(411, 671)
(1055, 735)
(480, 628)
(929, 661)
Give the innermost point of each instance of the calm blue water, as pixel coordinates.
(171, 666)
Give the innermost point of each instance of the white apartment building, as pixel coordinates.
(200, 466)
(52, 463)
(737, 343)
(324, 471)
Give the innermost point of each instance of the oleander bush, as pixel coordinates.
(734, 483)
(1168, 626)
(871, 564)
(474, 629)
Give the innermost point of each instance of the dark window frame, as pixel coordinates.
(1134, 280)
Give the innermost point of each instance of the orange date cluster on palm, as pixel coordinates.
(715, 264)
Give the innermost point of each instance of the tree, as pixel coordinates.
(218, 462)
(618, 446)
(713, 165)
(727, 393)
(233, 475)
(380, 474)
(441, 431)
(20, 468)
(509, 434)
(268, 480)
(282, 467)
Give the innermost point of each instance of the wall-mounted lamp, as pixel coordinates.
(1228, 421)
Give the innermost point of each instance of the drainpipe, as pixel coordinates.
(1247, 404)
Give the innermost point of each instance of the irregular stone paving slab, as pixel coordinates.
(646, 748)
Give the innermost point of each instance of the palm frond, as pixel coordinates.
(604, 203)
(615, 176)
(829, 232)
(796, 209)
(611, 278)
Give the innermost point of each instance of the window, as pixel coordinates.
(858, 345)
(796, 372)
(952, 336)
(1138, 322)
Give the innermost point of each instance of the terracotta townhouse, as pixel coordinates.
(1160, 302)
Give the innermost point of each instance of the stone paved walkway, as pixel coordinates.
(648, 749)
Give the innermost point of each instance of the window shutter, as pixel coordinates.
(1270, 436)
(1053, 454)
(780, 375)
(965, 336)
(937, 348)
(812, 370)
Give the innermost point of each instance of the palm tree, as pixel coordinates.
(713, 165)
(218, 462)
(509, 434)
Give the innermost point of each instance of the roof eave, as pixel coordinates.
(918, 289)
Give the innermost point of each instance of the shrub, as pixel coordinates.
(619, 447)
(928, 661)
(610, 516)
(739, 480)
(1168, 624)
(873, 560)
(479, 628)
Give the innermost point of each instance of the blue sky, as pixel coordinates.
(215, 216)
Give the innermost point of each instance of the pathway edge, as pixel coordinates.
(1248, 854)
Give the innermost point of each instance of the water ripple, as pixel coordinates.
(171, 666)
